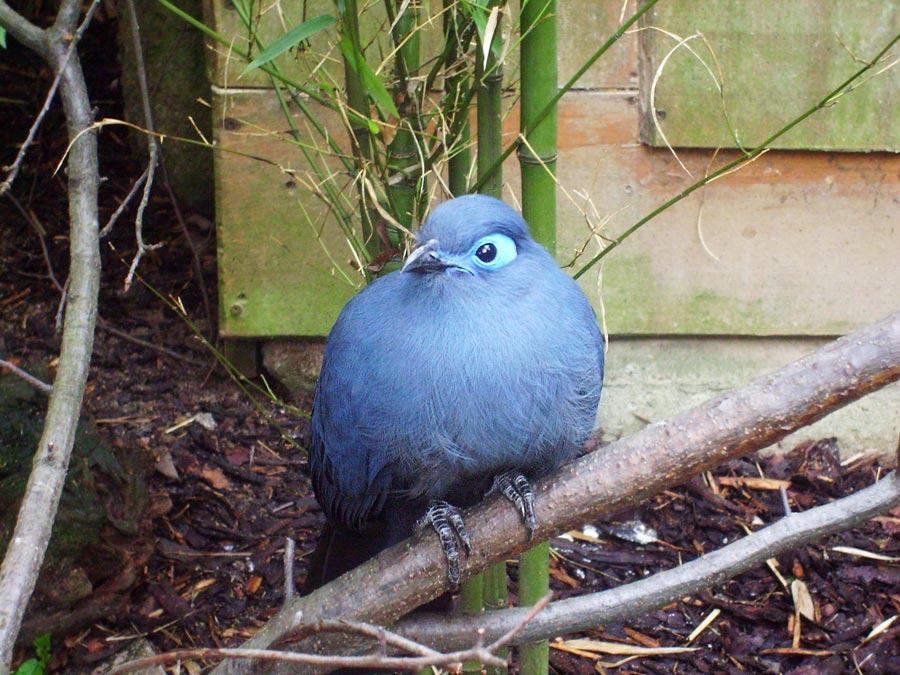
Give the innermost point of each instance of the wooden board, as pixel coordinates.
(773, 60)
(796, 244)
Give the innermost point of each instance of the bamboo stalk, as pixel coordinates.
(537, 157)
(403, 179)
(489, 76)
(537, 153)
(489, 79)
(457, 80)
(472, 602)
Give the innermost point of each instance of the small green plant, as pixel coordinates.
(37, 664)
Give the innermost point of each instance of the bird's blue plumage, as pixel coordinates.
(480, 357)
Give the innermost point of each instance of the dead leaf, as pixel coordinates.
(803, 600)
(215, 477)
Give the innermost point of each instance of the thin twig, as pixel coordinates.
(516, 629)
(13, 168)
(152, 148)
(195, 254)
(426, 656)
(101, 323)
(40, 385)
(125, 202)
(41, 233)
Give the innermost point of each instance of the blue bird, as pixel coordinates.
(476, 367)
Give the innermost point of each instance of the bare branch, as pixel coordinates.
(426, 657)
(25, 553)
(20, 157)
(125, 202)
(152, 148)
(40, 385)
(640, 597)
(23, 30)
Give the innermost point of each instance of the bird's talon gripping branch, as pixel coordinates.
(515, 487)
(448, 523)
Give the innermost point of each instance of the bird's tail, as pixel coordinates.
(340, 550)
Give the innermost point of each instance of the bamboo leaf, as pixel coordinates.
(291, 39)
(372, 82)
(489, 30)
(486, 20)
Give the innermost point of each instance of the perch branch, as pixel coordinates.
(623, 473)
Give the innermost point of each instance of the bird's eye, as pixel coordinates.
(486, 253)
(494, 251)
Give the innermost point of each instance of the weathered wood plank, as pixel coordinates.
(796, 244)
(773, 60)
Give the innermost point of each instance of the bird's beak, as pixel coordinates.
(427, 258)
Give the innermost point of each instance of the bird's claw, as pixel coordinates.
(448, 523)
(515, 487)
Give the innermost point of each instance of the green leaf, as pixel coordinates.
(30, 667)
(42, 647)
(371, 81)
(291, 39)
(485, 17)
(2, 37)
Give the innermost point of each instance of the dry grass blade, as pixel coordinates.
(753, 483)
(591, 648)
(849, 550)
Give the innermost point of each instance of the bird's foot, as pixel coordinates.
(516, 489)
(448, 523)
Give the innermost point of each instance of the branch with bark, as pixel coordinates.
(35, 519)
(421, 655)
(621, 474)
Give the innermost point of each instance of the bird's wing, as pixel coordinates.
(349, 460)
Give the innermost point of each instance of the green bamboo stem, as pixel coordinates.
(489, 89)
(537, 158)
(356, 93)
(537, 153)
(489, 76)
(471, 601)
(457, 81)
(534, 584)
(551, 104)
(403, 179)
(358, 104)
(496, 596)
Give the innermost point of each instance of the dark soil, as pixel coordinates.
(204, 566)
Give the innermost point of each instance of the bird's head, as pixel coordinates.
(470, 235)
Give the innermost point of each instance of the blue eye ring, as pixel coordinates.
(494, 251)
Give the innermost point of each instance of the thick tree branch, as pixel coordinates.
(35, 520)
(24, 31)
(621, 474)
